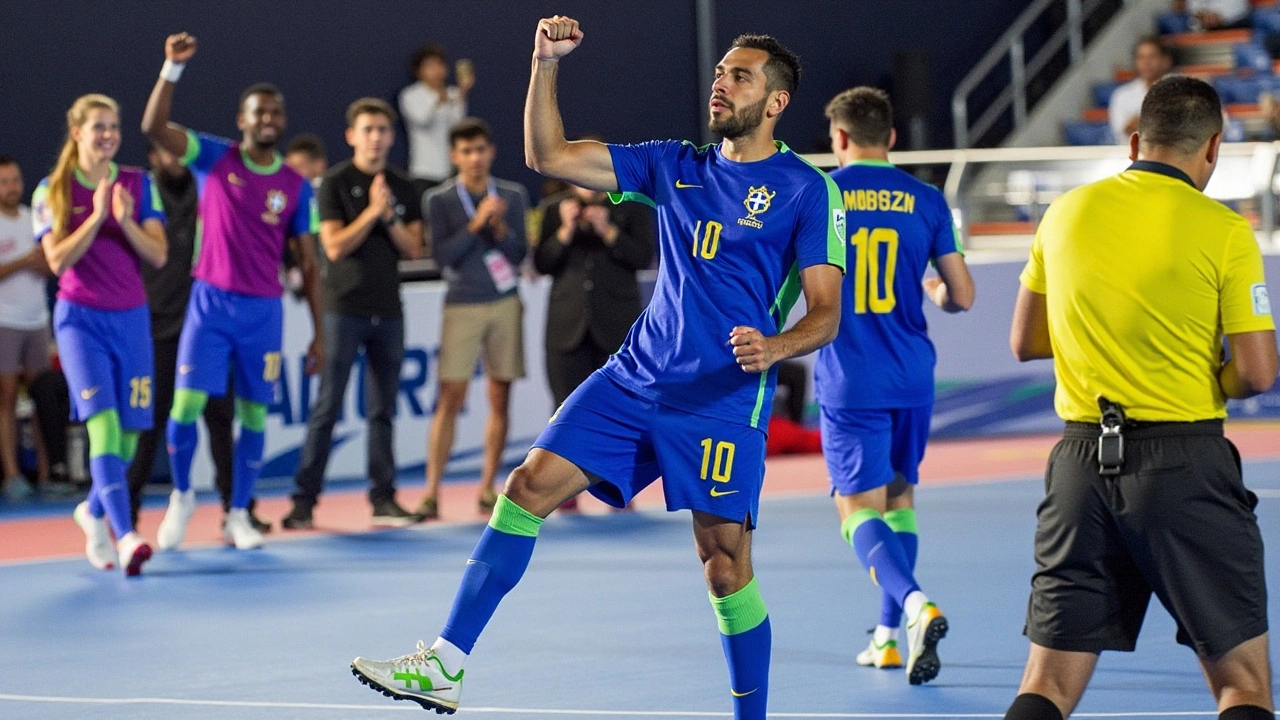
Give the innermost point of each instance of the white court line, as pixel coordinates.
(541, 711)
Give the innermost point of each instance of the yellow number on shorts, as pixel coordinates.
(271, 369)
(873, 285)
(722, 469)
(140, 395)
(706, 243)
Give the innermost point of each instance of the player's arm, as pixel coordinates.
(1253, 365)
(178, 49)
(1029, 336)
(146, 238)
(952, 290)
(303, 248)
(822, 285)
(585, 163)
(63, 249)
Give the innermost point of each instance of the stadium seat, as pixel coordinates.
(1088, 133)
(1252, 55)
(1102, 93)
(1172, 23)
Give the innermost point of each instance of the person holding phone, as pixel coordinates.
(430, 107)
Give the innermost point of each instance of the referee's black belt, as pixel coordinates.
(1134, 430)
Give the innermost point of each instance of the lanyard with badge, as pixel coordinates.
(500, 269)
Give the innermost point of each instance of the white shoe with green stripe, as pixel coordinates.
(420, 677)
(923, 635)
(880, 656)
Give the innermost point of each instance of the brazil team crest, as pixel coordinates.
(276, 203)
(757, 202)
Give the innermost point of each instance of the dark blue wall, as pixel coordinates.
(635, 76)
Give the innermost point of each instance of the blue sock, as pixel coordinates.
(747, 639)
(881, 553)
(496, 565)
(903, 524)
(182, 439)
(112, 490)
(249, 448)
(95, 502)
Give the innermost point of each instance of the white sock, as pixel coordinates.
(884, 634)
(451, 655)
(911, 606)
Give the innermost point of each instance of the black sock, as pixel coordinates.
(1029, 706)
(1246, 712)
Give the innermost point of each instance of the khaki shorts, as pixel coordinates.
(497, 327)
(26, 350)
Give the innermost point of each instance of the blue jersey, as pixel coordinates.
(733, 239)
(882, 357)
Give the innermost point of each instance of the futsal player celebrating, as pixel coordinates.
(251, 205)
(874, 383)
(744, 225)
(1132, 285)
(96, 222)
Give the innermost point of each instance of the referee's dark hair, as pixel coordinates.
(1180, 113)
(782, 70)
(865, 113)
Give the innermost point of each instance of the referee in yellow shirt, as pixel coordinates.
(1132, 283)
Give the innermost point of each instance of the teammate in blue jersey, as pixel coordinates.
(874, 383)
(744, 226)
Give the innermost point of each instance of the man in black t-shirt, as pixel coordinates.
(368, 221)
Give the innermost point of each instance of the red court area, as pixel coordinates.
(947, 463)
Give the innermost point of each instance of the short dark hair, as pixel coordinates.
(370, 106)
(1180, 113)
(423, 53)
(782, 70)
(308, 144)
(469, 129)
(865, 113)
(261, 88)
(1160, 44)
(7, 160)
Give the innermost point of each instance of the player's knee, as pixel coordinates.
(105, 434)
(725, 574)
(252, 415)
(524, 489)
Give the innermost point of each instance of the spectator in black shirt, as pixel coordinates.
(593, 250)
(168, 289)
(368, 220)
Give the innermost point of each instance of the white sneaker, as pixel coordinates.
(419, 677)
(923, 634)
(134, 551)
(239, 530)
(880, 656)
(97, 546)
(173, 528)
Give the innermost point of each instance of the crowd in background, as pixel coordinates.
(480, 231)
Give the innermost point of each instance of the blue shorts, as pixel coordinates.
(867, 449)
(624, 442)
(106, 356)
(222, 327)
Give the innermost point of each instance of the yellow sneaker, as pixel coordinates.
(881, 656)
(923, 634)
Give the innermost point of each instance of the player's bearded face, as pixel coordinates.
(738, 121)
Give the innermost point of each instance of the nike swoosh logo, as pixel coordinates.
(88, 394)
(735, 693)
(684, 186)
(717, 493)
(186, 369)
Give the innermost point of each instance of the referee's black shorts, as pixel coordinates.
(1178, 522)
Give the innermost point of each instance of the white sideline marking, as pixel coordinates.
(540, 711)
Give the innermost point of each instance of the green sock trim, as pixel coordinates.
(512, 519)
(902, 520)
(187, 405)
(104, 433)
(128, 444)
(252, 415)
(740, 612)
(852, 522)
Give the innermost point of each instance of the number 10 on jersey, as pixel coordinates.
(706, 239)
(873, 284)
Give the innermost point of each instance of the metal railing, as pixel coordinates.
(1246, 171)
(1011, 48)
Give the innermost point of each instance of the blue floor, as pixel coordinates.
(612, 620)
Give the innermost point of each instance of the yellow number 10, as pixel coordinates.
(872, 287)
(271, 367)
(722, 469)
(706, 243)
